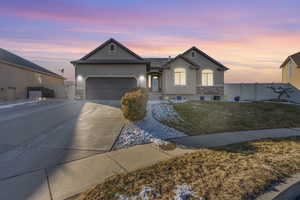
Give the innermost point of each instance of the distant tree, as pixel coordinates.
(281, 90)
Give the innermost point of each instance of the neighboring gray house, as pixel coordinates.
(112, 69)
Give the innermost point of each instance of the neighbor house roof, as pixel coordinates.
(295, 57)
(11, 58)
(207, 56)
(102, 46)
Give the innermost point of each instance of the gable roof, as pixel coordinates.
(206, 56)
(295, 57)
(14, 59)
(103, 45)
(157, 62)
(193, 64)
(111, 61)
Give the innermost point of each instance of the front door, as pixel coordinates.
(155, 84)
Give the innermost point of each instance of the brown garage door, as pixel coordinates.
(108, 88)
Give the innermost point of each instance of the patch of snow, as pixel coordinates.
(17, 104)
(178, 101)
(184, 192)
(143, 195)
(159, 141)
(147, 130)
(146, 191)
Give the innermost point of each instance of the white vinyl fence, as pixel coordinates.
(258, 91)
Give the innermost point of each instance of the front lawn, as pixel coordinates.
(236, 172)
(203, 117)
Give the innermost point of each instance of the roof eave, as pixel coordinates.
(207, 56)
(33, 70)
(107, 42)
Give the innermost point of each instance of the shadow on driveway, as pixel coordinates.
(40, 141)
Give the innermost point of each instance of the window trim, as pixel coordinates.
(207, 73)
(114, 48)
(182, 74)
(290, 70)
(193, 54)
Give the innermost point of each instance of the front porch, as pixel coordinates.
(154, 82)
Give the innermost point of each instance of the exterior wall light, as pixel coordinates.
(142, 82)
(142, 78)
(79, 78)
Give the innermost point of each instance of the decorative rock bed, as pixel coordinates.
(149, 129)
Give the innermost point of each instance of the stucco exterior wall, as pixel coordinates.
(104, 53)
(137, 71)
(295, 78)
(16, 79)
(257, 91)
(169, 86)
(206, 64)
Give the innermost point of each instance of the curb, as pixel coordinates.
(287, 190)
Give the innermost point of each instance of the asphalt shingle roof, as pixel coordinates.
(109, 61)
(17, 60)
(296, 58)
(157, 62)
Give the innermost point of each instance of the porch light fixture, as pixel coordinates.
(79, 78)
(142, 78)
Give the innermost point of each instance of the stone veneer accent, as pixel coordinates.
(210, 90)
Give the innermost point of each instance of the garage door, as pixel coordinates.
(108, 88)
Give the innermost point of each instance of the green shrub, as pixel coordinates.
(134, 104)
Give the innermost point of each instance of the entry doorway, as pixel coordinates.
(155, 84)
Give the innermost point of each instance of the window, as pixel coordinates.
(193, 54)
(207, 77)
(112, 48)
(38, 78)
(217, 98)
(180, 76)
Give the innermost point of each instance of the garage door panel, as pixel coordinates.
(109, 88)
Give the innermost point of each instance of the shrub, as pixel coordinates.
(134, 104)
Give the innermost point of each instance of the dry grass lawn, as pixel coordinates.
(235, 172)
(203, 117)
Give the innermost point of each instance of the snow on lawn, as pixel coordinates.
(182, 192)
(149, 129)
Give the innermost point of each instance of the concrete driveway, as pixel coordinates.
(43, 135)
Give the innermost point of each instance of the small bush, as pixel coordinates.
(134, 104)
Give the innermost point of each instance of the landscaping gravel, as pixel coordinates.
(149, 129)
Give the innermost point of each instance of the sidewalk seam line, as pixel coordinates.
(48, 183)
(112, 159)
(161, 151)
(116, 140)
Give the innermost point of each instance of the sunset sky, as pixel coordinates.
(252, 38)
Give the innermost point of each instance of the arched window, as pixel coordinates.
(207, 77)
(179, 76)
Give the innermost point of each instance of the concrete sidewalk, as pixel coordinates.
(69, 179)
(222, 139)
